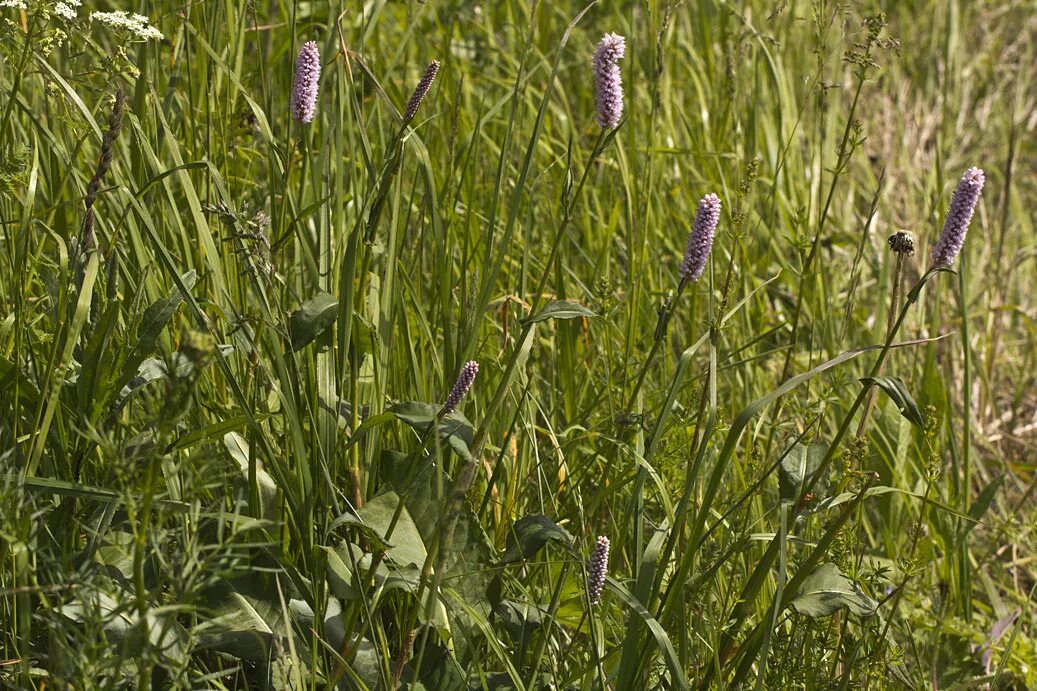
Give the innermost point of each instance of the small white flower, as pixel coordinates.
(66, 10)
(13, 4)
(135, 24)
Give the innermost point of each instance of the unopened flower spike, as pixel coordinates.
(461, 386)
(307, 78)
(963, 205)
(700, 239)
(597, 569)
(608, 83)
(421, 90)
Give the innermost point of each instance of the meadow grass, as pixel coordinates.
(240, 446)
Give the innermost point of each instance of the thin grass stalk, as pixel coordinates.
(964, 562)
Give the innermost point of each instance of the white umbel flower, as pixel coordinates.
(134, 24)
(67, 9)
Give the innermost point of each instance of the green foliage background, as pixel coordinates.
(226, 337)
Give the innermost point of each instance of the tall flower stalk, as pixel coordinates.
(749, 593)
(103, 166)
(696, 254)
(431, 577)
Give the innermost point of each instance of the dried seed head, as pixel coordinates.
(597, 569)
(608, 83)
(902, 243)
(700, 239)
(461, 386)
(963, 205)
(421, 90)
(307, 79)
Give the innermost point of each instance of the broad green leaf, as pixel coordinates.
(154, 369)
(454, 428)
(797, 470)
(827, 590)
(520, 618)
(364, 336)
(116, 554)
(312, 318)
(244, 618)
(529, 535)
(158, 630)
(339, 569)
(560, 309)
(403, 545)
(897, 390)
(334, 631)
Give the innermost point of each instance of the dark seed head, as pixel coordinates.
(902, 243)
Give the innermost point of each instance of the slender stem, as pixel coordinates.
(894, 300)
(838, 623)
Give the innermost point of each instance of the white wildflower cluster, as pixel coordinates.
(13, 4)
(67, 9)
(134, 24)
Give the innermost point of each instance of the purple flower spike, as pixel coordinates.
(461, 386)
(608, 84)
(421, 90)
(963, 204)
(700, 239)
(596, 570)
(307, 77)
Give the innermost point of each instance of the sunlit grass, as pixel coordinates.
(240, 446)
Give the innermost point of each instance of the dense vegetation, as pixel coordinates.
(241, 275)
